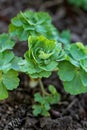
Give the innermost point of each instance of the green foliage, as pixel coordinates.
(32, 23)
(78, 51)
(5, 60)
(5, 42)
(73, 71)
(40, 59)
(66, 71)
(74, 78)
(43, 103)
(48, 51)
(8, 81)
(8, 74)
(79, 3)
(65, 38)
(83, 64)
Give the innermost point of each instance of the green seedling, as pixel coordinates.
(43, 103)
(30, 23)
(48, 51)
(41, 58)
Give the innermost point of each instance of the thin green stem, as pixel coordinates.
(42, 88)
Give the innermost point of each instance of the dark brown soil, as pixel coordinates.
(71, 112)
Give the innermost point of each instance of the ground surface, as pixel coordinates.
(71, 112)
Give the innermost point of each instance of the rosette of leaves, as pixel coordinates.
(72, 71)
(8, 74)
(40, 59)
(32, 23)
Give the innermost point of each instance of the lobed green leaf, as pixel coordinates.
(5, 60)
(75, 86)
(5, 42)
(3, 91)
(11, 80)
(66, 71)
(78, 51)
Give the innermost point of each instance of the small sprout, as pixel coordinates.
(43, 103)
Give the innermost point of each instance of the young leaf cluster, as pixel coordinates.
(42, 105)
(32, 23)
(79, 3)
(40, 59)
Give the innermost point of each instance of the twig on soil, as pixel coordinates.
(70, 105)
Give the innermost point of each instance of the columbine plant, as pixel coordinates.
(29, 23)
(48, 51)
(41, 58)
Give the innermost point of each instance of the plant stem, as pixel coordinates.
(42, 88)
